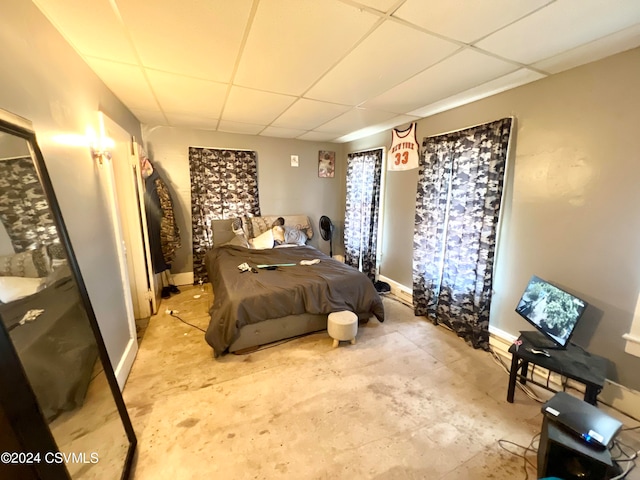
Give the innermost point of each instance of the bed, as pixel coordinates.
(49, 329)
(263, 305)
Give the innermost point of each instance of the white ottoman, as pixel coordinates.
(342, 326)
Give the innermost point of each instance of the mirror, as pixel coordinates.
(46, 314)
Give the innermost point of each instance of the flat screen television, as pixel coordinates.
(552, 311)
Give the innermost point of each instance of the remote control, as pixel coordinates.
(538, 351)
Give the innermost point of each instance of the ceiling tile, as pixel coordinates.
(561, 26)
(197, 97)
(292, 42)
(298, 67)
(453, 75)
(465, 20)
(192, 121)
(127, 82)
(150, 117)
(355, 119)
(252, 106)
(318, 136)
(380, 5)
(189, 37)
(377, 128)
(493, 87)
(308, 114)
(238, 127)
(92, 28)
(282, 132)
(592, 51)
(357, 78)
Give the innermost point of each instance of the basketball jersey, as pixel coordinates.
(404, 152)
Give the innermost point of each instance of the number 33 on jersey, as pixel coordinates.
(404, 151)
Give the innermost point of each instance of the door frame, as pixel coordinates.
(132, 213)
(125, 196)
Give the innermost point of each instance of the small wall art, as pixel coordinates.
(326, 164)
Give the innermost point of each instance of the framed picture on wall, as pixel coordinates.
(326, 164)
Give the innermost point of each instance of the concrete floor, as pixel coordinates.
(409, 401)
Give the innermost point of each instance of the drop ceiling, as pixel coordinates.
(329, 70)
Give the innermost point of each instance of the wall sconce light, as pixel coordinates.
(100, 145)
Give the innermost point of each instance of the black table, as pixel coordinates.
(572, 362)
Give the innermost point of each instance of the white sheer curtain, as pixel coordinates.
(364, 170)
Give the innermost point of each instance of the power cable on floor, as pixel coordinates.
(173, 314)
(530, 448)
(623, 457)
(630, 459)
(259, 348)
(530, 393)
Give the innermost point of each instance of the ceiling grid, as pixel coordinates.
(334, 70)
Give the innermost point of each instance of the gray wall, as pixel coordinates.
(45, 81)
(570, 216)
(571, 212)
(284, 190)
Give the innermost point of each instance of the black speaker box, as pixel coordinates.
(564, 455)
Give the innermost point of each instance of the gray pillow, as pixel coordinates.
(238, 241)
(56, 251)
(294, 236)
(236, 226)
(31, 264)
(57, 274)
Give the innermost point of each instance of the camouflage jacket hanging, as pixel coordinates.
(169, 231)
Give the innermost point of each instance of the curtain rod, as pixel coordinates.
(222, 148)
(467, 128)
(512, 117)
(369, 150)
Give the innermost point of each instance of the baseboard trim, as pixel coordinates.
(185, 278)
(401, 292)
(621, 398)
(126, 362)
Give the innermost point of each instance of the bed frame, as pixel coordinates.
(257, 334)
(254, 335)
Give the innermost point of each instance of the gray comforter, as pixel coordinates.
(244, 298)
(57, 349)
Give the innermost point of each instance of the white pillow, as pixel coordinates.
(262, 241)
(278, 234)
(15, 288)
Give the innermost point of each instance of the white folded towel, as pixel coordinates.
(310, 262)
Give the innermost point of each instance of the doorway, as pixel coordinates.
(123, 182)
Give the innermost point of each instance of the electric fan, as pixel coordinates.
(326, 232)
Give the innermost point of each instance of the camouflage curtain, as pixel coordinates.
(224, 184)
(24, 209)
(457, 207)
(364, 170)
